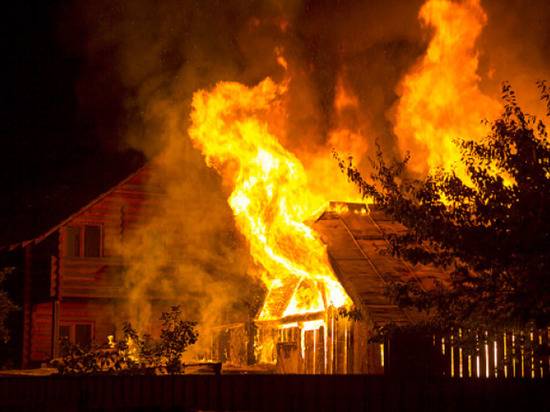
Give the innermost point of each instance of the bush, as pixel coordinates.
(134, 354)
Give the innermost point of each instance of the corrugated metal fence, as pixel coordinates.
(272, 392)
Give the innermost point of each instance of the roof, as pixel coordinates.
(41, 237)
(357, 250)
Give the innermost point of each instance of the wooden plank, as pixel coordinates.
(492, 352)
(500, 356)
(309, 351)
(330, 321)
(483, 359)
(545, 360)
(341, 366)
(320, 351)
(349, 347)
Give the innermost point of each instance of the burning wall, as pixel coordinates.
(342, 75)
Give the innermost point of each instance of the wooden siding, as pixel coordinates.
(100, 314)
(66, 286)
(117, 214)
(41, 332)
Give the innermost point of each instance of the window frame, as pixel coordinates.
(82, 240)
(72, 331)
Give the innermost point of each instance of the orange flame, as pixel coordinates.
(441, 100)
(270, 197)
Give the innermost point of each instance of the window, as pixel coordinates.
(72, 236)
(83, 336)
(79, 334)
(65, 332)
(83, 241)
(92, 241)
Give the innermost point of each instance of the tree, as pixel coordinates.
(6, 307)
(491, 235)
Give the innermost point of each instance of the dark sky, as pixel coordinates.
(53, 159)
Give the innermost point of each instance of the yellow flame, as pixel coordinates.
(270, 197)
(281, 59)
(132, 351)
(441, 99)
(304, 300)
(344, 207)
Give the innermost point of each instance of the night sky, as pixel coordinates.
(54, 159)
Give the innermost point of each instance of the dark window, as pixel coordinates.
(73, 241)
(65, 332)
(80, 335)
(64, 338)
(92, 241)
(83, 241)
(83, 336)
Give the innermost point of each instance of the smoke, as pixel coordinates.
(514, 47)
(143, 60)
(138, 52)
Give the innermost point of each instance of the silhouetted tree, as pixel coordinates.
(491, 234)
(6, 307)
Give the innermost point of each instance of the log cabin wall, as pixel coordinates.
(81, 321)
(73, 275)
(90, 265)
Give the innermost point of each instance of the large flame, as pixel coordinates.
(441, 100)
(235, 128)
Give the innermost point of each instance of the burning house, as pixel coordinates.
(74, 284)
(233, 220)
(324, 338)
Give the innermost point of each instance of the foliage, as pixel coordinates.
(491, 234)
(175, 336)
(77, 361)
(134, 354)
(6, 307)
(352, 313)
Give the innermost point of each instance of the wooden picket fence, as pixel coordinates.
(508, 355)
(273, 393)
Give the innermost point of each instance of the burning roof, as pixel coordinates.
(355, 244)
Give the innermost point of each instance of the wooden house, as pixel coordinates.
(330, 341)
(72, 284)
(69, 279)
(75, 280)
